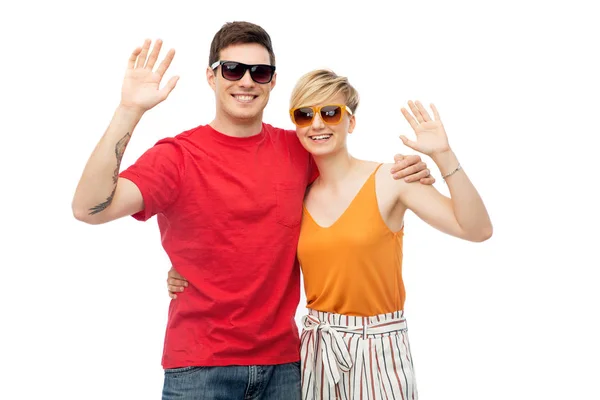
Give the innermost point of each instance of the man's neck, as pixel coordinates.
(237, 128)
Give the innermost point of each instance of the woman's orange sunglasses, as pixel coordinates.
(331, 114)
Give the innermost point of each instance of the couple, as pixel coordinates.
(228, 197)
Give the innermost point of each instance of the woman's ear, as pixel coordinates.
(352, 124)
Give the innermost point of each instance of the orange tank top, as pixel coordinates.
(353, 267)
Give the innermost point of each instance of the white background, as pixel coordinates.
(83, 308)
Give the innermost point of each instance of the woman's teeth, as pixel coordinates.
(320, 137)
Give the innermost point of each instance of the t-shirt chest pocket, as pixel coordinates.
(290, 196)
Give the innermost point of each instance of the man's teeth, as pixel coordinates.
(244, 98)
(320, 137)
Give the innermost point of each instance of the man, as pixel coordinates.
(228, 200)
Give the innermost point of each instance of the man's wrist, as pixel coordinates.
(129, 113)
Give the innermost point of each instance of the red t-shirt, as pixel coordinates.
(229, 213)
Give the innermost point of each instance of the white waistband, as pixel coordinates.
(326, 327)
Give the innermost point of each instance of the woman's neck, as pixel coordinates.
(335, 168)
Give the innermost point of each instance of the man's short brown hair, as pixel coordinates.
(239, 32)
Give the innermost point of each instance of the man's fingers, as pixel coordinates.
(417, 176)
(154, 54)
(398, 158)
(165, 91)
(406, 161)
(430, 180)
(164, 65)
(141, 61)
(413, 169)
(412, 159)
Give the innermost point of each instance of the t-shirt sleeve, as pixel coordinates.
(158, 174)
(313, 171)
(297, 149)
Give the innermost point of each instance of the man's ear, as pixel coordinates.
(274, 80)
(211, 78)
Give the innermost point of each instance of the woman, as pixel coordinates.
(354, 341)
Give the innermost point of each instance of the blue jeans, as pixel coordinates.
(257, 382)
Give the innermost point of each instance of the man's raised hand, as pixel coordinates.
(141, 87)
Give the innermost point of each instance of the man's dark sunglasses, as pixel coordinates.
(234, 71)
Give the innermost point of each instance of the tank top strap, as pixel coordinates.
(364, 205)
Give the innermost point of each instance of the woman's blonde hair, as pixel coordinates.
(321, 85)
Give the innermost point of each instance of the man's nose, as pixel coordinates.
(246, 80)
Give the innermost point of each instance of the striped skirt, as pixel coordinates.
(345, 357)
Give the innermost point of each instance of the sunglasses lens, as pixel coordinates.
(331, 114)
(233, 71)
(261, 73)
(303, 116)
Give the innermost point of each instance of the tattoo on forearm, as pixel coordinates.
(119, 151)
(102, 206)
